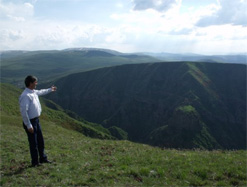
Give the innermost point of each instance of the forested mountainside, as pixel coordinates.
(172, 104)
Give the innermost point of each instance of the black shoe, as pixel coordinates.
(46, 161)
(35, 165)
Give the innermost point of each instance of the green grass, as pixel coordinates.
(83, 161)
(187, 109)
(201, 78)
(50, 111)
(79, 160)
(198, 75)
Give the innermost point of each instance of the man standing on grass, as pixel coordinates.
(30, 111)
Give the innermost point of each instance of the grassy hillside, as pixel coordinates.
(50, 111)
(82, 161)
(49, 65)
(171, 104)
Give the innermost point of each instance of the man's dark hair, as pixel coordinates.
(30, 79)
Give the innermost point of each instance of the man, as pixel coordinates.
(30, 111)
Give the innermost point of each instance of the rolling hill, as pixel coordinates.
(176, 104)
(53, 64)
(50, 65)
(230, 58)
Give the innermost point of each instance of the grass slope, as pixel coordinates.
(50, 111)
(83, 161)
(49, 65)
(79, 160)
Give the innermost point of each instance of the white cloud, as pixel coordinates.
(50, 34)
(119, 5)
(229, 12)
(16, 12)
(157, 26)
(10, 35)
(158, 5)
(116, 37)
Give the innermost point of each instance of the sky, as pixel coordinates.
(173, 26)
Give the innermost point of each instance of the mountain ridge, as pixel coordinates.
(51, 65)
(16, 64)
(134, 97)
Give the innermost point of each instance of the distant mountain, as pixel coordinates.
(172, 104)
(50, 65)
(232, 58)
(117, 53)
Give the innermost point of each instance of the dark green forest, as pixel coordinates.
(170, 104)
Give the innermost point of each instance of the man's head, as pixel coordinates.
(31, 82)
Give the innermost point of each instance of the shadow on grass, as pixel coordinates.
(16, 169)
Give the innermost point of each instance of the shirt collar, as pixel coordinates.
(29, 90)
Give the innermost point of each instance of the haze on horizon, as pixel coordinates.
(174, 26)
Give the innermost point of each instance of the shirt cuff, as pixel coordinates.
(29, 126)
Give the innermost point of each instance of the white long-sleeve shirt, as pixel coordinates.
(29, 104)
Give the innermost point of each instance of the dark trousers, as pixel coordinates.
(36, 142)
